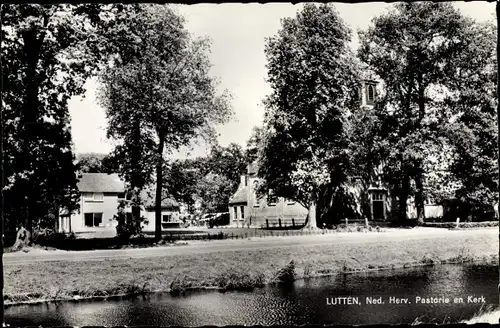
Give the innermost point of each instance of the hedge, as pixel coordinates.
(463, 225)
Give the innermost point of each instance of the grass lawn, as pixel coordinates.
(232, 269)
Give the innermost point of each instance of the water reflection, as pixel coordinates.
(303, 303)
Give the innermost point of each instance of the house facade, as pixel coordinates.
(170, 214)
(100, 196)
(238, 204)
(246, 209)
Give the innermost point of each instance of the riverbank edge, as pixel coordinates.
(488, 317)
(494, 260)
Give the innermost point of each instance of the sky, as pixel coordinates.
(238, 33)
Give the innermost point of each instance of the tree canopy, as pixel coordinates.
(437, 69)
(313, 76)
(48, 52)
(159, 95)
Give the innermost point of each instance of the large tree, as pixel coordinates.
(181, 179)
(254, 144)
(47, 54)
(312, 73)
(425, 53)
(162, 94)
(212, 180)
(230, 162)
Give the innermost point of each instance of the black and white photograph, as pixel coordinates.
(170, 164)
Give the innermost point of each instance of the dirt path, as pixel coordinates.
(254, 243)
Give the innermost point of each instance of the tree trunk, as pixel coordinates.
(30, 113)
(58, 216)
(27, 215)
(419, 196)
(2, 220)
(135, 182)
(136, 215)
(419, 199)
(159, 185)
(403, 198)
(311, 216)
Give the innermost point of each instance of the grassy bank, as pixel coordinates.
(491, 316)
(242, 269)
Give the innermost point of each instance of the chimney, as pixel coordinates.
(243, 180)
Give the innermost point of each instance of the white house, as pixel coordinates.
(100, 195)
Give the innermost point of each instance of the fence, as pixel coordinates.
(61, 241)
(260, 233)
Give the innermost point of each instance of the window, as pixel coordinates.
(167, 218)
(88, 196)
(271, 198)
(235, 213)
(377, 196)
(370, 94)
(93, 219)
(255, 200)
(242, 211)
(93, 196)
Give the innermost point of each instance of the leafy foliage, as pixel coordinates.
(436, 67)
(96, 163)
(46, 59)
(312, 73)
(211, 180)
(229, 162)
(181, 179)
(159, 95)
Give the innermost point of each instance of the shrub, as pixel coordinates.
(51, 238)
(179, 285)
(239, 280)
(287, 274)
(452, 225)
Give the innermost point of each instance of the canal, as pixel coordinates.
(340, 299)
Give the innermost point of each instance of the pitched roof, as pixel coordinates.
(100, 182)
(240, 196)
(148, 197)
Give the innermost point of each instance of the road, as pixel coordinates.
(254, 243)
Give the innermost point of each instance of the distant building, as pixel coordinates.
(246, 209)
(170, 212)
(100, 195)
